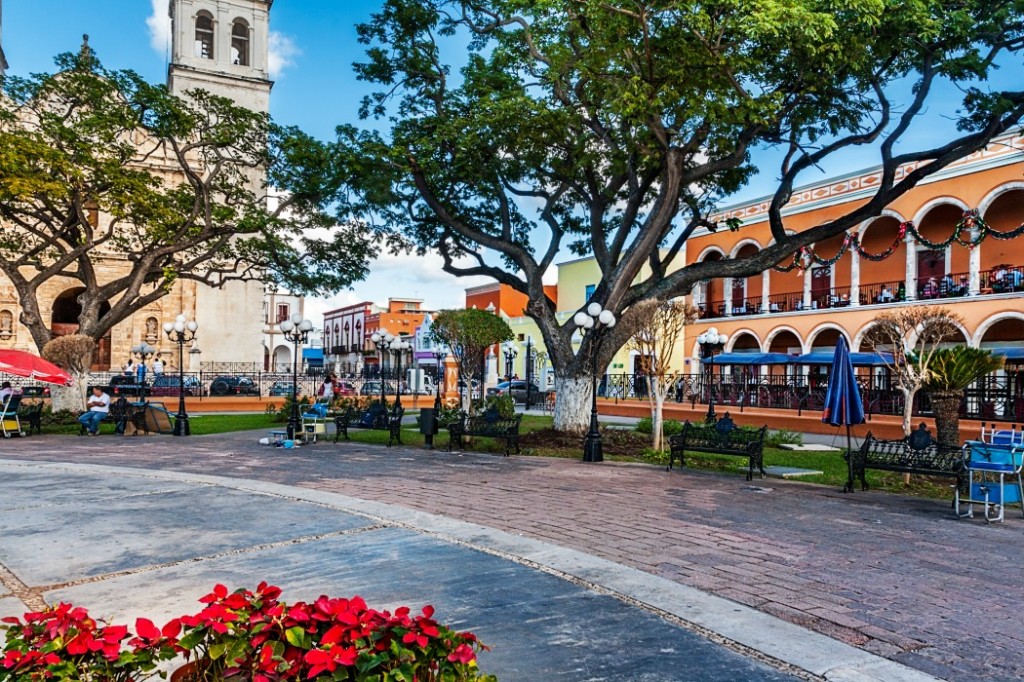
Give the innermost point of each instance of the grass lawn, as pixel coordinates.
(202, 425)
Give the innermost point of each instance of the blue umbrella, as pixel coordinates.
(843, 406)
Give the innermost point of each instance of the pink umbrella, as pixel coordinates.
(22, 364)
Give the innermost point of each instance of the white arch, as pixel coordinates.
(740, 332)
(767, 344)
(809, 344)
(990, 322)
(744, 242)
(858, 338)
(938, 201)
(708, 250)
(983, 206)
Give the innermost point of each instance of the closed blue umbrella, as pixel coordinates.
(843, 406)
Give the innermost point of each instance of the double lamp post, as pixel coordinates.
(296, 331)
(592, 323)
(181, 331)
(389, 342)
(711, 342)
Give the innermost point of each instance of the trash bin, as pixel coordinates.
(428, 425)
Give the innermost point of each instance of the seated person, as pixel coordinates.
(921, 438)
(725, 425)
(97, 408)
(999, 280)
(931, 289)
(885, 296)
(375, 414)
(946, 286)
(962, 288)
(5, 392)
(1016, 279)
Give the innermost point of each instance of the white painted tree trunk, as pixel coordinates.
(572, 404)
(908, 411)
(70, 397)
(657, 392)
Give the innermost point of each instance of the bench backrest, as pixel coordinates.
(994, 453)
(10, 406)
(710, 435)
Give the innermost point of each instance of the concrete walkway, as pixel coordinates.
(572, 571)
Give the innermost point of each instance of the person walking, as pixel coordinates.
(97, 408)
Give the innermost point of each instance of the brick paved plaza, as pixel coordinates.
(896, 576)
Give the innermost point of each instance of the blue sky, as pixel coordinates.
(313, 46)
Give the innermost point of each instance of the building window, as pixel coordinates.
(152, 324)
(204, 36)
(282, 312)
(590, 292)
(240, 43)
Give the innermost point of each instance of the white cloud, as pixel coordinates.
(282, 53)
(402, 276)
(159, 23)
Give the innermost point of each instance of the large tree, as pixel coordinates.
(98, 164)
(612, 127)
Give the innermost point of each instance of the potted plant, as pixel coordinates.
(243, 636)
(951, 371)
(64, 643)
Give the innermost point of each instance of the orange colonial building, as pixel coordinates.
(804, 310)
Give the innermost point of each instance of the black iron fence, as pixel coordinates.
(994, 397)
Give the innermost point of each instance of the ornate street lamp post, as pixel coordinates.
(181, 331)
(438, 380)
(142, 352)
(383, 343)
(528, 371)
(591, 323)
(710, 343)
(296, 331)
(398, 347)
(510, 351)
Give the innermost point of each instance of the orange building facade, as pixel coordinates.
(806, 309)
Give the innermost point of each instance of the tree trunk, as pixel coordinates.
(658, 419)
(572, 403)
(946, 405)
(908, 410)
(70, 397)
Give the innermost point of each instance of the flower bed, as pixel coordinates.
(243, 635)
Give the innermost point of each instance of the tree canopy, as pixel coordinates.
(467, 334)
(97, 163)
(518, 130)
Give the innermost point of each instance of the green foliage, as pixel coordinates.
(58, 418)
(281, 413)
(669, 427)
(504, 404)
(97, 161)
(774, 439)
(468, 333)
(613, 129)
(954, 369)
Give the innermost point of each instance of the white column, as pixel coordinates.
(765, 290)
(910, 282)
(491, 379)
(727, 295)
(854, 277)
(974, 266)
(807, 288)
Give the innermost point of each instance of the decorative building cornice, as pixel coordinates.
(1001, 151)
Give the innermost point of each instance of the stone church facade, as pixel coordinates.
(220, 46)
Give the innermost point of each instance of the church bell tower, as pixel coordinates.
(222, 46)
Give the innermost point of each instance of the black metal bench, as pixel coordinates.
(720, 438)
(378, 419)
(32, 414)
(487, 424)
(122, 413)
(909, 456)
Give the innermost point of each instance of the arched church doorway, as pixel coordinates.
(64, 320)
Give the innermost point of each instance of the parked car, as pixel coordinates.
(281, 388)
(346, 389)
(233, 385)
(128, 386)
(372, 388)
(169, 385)
(517, 389)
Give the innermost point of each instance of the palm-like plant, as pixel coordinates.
(951, 371)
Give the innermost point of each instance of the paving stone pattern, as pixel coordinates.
(897, 576)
